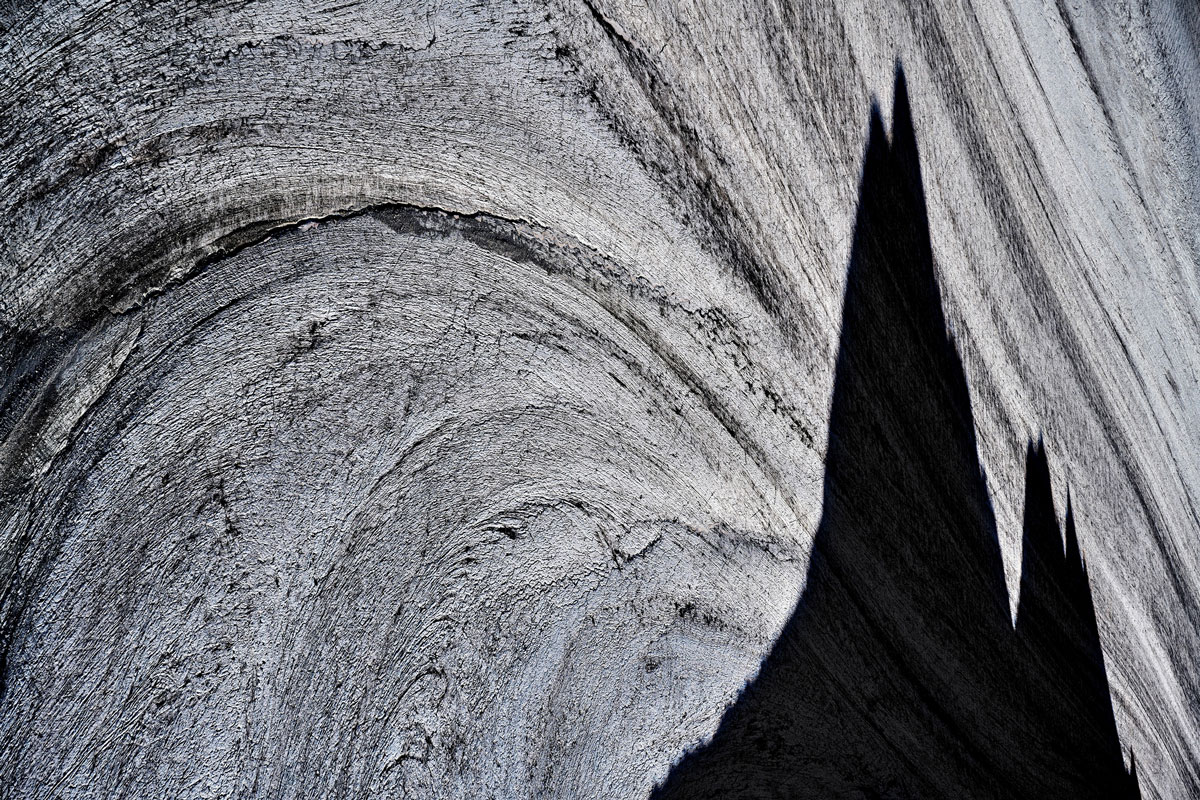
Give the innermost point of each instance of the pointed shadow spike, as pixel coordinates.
(1039, 498)
(875, 158)
(876, 134)
(1074, 556)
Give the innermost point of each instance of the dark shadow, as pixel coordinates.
(900, 673)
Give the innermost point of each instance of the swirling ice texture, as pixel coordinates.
(430, 400)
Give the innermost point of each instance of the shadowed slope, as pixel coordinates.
(899, 673)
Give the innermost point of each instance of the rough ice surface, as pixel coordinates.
(433, 399)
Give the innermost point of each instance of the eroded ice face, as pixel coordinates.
(370, 508)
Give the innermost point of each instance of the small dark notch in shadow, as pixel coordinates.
(900, 673)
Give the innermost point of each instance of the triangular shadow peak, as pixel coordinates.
(900, 674)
